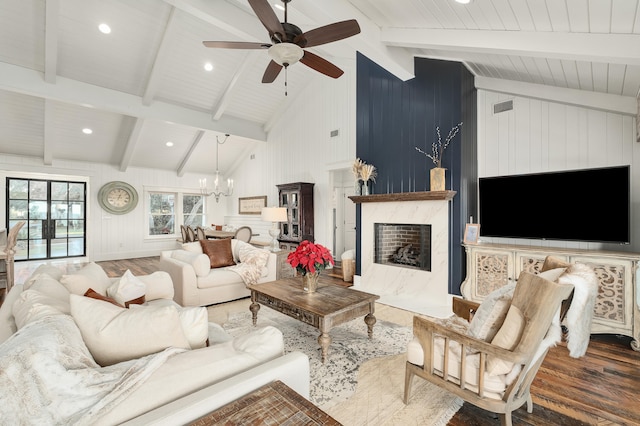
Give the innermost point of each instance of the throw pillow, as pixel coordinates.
(89, 276)
(114, 334)
(195, 323)
(159, 285)
(52, 271)
(491, 313)
(127, 290)
(33, 305)
(552, 274)
(253, 256)
(51, 287)
(219, 252)
(200, 261)
(194, 247)
(551, 262)
(95, 295)
(508, 338)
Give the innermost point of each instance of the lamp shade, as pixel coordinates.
(274, 214)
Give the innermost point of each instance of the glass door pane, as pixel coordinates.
(55, 216)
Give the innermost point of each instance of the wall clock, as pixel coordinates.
(118, 197)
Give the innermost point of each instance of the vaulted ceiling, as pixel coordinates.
(144, 84)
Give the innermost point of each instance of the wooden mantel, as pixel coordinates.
(404, 196)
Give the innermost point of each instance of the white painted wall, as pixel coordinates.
(540, 136)
(299, 148)
(112, 236)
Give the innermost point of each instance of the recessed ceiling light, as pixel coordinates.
(169, 143)
(463, 1)
(104, 28)
(87, 131)
(208, 66)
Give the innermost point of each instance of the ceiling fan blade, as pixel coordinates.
(268, 17)
(236, 44)
(272, 71)
(321, 65)
(328, 33)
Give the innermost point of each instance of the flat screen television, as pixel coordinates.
(591, 205)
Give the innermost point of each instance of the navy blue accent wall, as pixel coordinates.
(393, 117)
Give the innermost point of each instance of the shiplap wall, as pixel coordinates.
(541, 136)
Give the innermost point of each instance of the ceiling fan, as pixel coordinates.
(288, 41)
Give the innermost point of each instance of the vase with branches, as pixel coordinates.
(438, 147)
(356, 168)
(368, 173)
(437, 174)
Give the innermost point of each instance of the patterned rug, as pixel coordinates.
(336, 379)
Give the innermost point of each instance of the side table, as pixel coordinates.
(272, 404)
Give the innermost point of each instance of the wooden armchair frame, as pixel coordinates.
(8, 254)
(538, 307)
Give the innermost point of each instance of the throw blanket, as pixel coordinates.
(47, 376)
(252, 264)
(580, 313)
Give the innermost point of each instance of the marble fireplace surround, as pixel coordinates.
(424, 292)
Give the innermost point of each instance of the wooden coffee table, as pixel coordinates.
(330, 306)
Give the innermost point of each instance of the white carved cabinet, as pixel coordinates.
(491, 266)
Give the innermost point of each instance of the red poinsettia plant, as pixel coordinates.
(309, 258)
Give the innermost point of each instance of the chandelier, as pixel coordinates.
(217, 191)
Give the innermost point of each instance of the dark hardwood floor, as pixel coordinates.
(601, 388)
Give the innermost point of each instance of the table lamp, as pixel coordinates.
(275, 215)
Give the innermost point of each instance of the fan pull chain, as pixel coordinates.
(285, 80)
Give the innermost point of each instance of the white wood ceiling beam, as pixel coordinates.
(243, 24)
(369, 42)
(227, 96)
(52, 11)
(192, 149)
(590, 47)
(29, 82)
(595, 100)
(161, 58)
(132, 128)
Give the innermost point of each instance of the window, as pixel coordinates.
(193, 210)
(166, 209)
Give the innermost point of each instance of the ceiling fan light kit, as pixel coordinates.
(286, 54)
(289, 41)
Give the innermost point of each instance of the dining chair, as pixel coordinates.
(8, 252)
(185, 236)
(200, 234)
(191, 234)
(243, 234)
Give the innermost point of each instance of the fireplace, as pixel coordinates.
(408, 287)
(403, 245)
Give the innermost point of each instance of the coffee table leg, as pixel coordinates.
(370, 320)
(254, 308)
(324, 340)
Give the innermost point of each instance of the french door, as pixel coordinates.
(55, 216)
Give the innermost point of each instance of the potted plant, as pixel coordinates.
(308, 259)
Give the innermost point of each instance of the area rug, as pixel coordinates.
(379, 394)
(335, 380)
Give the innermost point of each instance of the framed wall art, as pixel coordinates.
(471, 233)
(251, 205)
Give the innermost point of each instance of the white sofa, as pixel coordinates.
(197, 284)
(52, 378)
